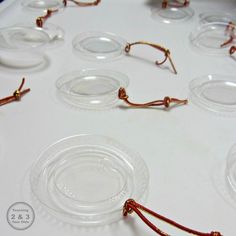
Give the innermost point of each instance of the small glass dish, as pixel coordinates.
(86, 179)
(42, 5)
(21, 37)
(209, 38)
(91, 88)
(217, 16)
(20, 47)
(172, 13)
(216, 93)
(99, 45)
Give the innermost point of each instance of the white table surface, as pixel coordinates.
(182, 147)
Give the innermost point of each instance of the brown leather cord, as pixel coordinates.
(232, 50)
(131, 206)
(41, 19)
(156, 46)
(16, 95)
(165, 102)
(82, 4)
(165, 3)
(229, 30)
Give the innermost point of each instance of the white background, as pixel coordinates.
(181, 147)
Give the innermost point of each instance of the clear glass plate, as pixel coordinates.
(42, 5)
(86, 179)
(172, 14)
(98, 45)
(91, 89)
(208, 38)
(20, 46)
(21, 37)
(214, 16)
(215, 93)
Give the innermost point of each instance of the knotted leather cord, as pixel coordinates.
(165, 102)
(177, 4)
(229, 30)
(131, 206)
(82, 4)
(16, 95)
(41, 19)
(156, 46)
(232, 50)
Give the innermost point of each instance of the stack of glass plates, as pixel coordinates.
(216, 93)
(86, 179)
(91, 89)
(21, 46)
(209, 37)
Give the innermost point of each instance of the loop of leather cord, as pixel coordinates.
(156, 46)
(16, 95)
(165, 102)
(82, 4)
(131, 206)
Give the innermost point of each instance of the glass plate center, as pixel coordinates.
(100, 45)
(94, 85)
(221, 92)
(91, 182)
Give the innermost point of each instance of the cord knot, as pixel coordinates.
(17, 94)
(122, 94)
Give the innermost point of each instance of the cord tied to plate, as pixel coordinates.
(16, 96)
(156, 46)
(165, 102)
(131, 206)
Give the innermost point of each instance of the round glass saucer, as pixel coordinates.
(214, 16)
(42, 5)
(86, 179)
(209, 37)
(172, 14)
(98, 45)
(91, 89)
(20, 37)
(216, 93)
